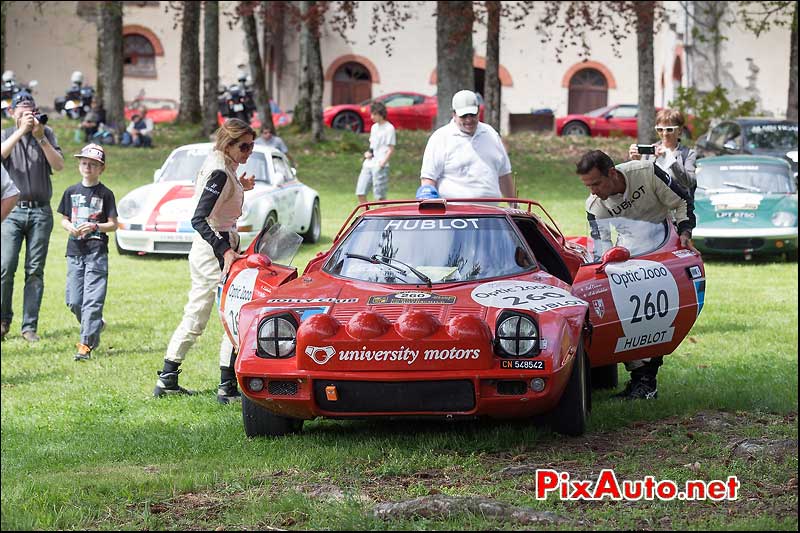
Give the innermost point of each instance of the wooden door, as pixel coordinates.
(588, 90)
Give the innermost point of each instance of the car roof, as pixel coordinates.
(208, 146)
(452, 209)
(758, 120)
(743, 159)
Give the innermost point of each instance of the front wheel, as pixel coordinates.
(347, 120)
(575, 128)
(315, 227)
(572, 412)
(259, 422)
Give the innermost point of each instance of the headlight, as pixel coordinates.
(277, 337)
(784, 219)
(517, 336)
(132, 204)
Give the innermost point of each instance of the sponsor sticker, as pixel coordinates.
(646, 298)
(416, 224)
(323, 354)
(683, 252)
(599, 308)
(312, 300)
(240, 291)
(537, 297)
(523, 364)
(411, 297)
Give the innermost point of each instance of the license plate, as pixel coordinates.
(178, 237)
(238, 107)
(525, 364)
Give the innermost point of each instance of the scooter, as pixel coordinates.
(10, 88)
(237, 101)
(78, 100)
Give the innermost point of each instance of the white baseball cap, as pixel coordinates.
(465, 103)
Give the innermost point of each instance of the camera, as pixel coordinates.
(41, 118)
(646, 149)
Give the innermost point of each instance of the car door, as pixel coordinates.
(643, 306)
(400, 110)
(622, 121)
(286, 190)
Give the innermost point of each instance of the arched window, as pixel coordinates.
(588, 89)
(139, 56)
(352, 84)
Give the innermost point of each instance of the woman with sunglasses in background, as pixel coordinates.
(218, 196)
(673, 157)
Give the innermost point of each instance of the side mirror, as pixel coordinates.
(156, 175)
(258, 261)
(616, 254)
(731, 146)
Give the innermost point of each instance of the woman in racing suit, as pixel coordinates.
(218, 195)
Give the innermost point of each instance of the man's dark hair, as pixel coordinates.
(594, 159)
(379, 108)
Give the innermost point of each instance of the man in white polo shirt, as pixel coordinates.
(466, 158)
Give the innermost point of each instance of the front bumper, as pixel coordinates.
(165, 242)
(738, 241)
(494, 392)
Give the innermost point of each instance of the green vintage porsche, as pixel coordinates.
(745, 205)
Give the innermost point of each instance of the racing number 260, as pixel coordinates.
(650, 308)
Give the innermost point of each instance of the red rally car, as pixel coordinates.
(451, 309)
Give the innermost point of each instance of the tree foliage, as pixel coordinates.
(702, 107)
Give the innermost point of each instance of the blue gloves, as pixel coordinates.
(426, 192)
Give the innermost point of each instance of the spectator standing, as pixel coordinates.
(10, 194)
(89, 213)
(30, 153)
(466, 158)
(639, 191)
(218, 196)
(671, 156)
(139, 131)
(375, 168)
(268, 138)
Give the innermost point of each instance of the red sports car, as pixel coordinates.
(405, 110)
(497, 315)
(604, 122)
(158, 109)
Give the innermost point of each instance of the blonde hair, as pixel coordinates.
(230, 132)
(669, 116)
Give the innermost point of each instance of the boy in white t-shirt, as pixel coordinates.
(375, 168)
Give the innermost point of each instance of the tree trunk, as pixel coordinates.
(257, 71)
(454, 54)
(791, 107)
(210, 66)
(492, 89)
(646, 117)
(316, 79)
(110, 35)
(190, 64)
(302, 110)
(267, 45)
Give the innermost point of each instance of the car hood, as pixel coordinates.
(741, 209)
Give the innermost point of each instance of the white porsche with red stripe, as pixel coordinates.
(156, 218)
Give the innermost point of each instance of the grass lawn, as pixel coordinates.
(85, 446)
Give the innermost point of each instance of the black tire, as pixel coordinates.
(120, 249)
(605, 377)
(576, 128)
(572, 412)
(348, 120)
(315, 227)
(271, 220)
(259, 422)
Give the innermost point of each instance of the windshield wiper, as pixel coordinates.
(387, 261)
(741, 186)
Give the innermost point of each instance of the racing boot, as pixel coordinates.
(168, 384)
(228, 391)
(640, 387)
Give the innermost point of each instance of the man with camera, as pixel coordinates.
(30, 153)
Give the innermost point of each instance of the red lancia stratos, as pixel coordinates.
(452, 309)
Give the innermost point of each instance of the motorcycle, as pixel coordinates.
(78, 99)
(236, 101)
(10, 88)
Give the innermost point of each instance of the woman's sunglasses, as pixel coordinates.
(246, 147)
(666, 129)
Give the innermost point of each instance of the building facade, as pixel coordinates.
(47, 41)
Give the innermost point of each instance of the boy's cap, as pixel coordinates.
(93, 151)
(21, 97)
(465, 103)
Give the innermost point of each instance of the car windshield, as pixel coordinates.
(775, 136)
(444, 250)
(598, 112)
(185, 164)
(744, 177)
(638, 236)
